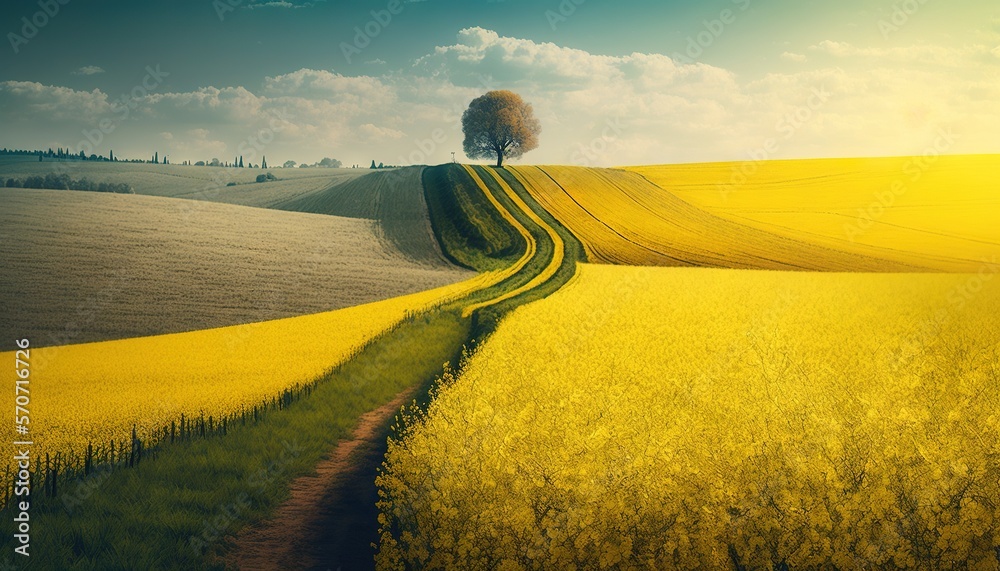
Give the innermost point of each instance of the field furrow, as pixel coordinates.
(622, 217)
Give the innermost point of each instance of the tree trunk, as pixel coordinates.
(499, 160)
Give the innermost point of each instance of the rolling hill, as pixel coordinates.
(86, 266)
(936, 212)
(394, 199)
(196, 183)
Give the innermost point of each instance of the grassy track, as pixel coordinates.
(558, 248)
(553, 263)
(518, 266)
(172, 512)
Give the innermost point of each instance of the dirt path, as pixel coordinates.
(329, 521)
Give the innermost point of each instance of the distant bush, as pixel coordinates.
(64, 182)
(266, 177)
(326, 163)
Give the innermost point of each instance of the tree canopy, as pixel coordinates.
(499, 124)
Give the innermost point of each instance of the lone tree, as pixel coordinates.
(499, 124)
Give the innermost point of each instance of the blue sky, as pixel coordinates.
(612, 82)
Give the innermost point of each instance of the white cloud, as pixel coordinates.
(798, 58)
(48, 102)
(208, 104)
(88, 70)
(199, 145)
(916, 54)
(375, 134)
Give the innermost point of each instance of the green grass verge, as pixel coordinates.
(172, 512)
(470, 231)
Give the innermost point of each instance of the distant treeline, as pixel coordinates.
(66, 155)
(64, 182)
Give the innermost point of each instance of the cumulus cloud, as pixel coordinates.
(374, 133)
(88, 70)
(207, 104)
(198, 145)
(790, 56)
(49, 102)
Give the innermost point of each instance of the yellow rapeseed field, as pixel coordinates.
(900, 214)
(930, 211)
(96, 392)
(678, 418)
